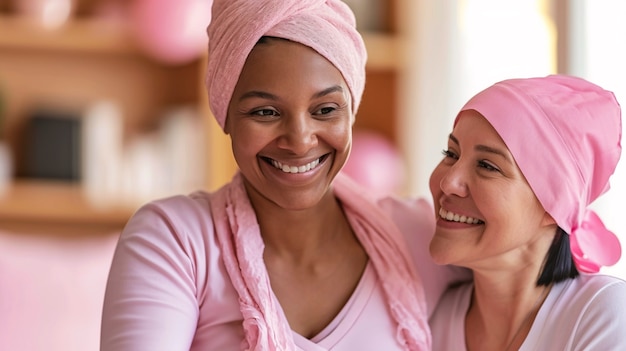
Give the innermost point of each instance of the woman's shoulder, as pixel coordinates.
(181, 218)
(178, 207)
(589, 297)
(198, 200)
(601, 290)
(412, 214)
(405, 203)
(585, 313)
(590, 285)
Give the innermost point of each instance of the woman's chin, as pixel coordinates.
(440, 252)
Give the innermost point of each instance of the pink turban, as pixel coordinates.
(564, 133)
(326, 26)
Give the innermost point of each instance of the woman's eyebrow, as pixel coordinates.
(453, 138)
(492, 150)
(269, 96)
(258, 94)
(329, 90)
(485, 148)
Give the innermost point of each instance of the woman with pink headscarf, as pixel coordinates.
(524, 161)
(289, 255)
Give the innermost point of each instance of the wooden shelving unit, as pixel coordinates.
(80, 35)
(56, 202)
(383, 51)
(99, 37)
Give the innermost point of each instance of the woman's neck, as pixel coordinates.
(502, 311)
(304, 232)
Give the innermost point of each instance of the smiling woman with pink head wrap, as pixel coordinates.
(289, 255)
(525, 160)
(326, 26)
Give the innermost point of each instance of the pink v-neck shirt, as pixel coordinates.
(169, 289)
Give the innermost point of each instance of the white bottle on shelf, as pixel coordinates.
(6, 167)
(102, 133)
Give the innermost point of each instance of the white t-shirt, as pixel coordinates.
(586, 313)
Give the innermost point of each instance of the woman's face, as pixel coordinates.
(290, 123)
(487, 214)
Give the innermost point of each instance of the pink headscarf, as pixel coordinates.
(564, 133)
(326, 26)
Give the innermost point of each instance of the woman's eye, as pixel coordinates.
(450, 154)
(488, 166)
(264, 112)
(325, 110)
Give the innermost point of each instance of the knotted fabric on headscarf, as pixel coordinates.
(265, 324)
(326, 26)
(565, 135)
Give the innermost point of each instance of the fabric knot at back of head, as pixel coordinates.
(565, 135)
(326, 26)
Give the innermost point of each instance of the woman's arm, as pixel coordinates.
(151, 295)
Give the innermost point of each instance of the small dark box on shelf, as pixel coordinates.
(54, 146)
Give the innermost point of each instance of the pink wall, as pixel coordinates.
(51, 291)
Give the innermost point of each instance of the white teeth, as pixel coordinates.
(450, 216)
(296, 169)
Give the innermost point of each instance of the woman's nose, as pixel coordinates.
(299, 133)
(454, 180)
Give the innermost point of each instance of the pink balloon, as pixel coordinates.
(171, 31)
(375, 163)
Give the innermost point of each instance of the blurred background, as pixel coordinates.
(103, 107)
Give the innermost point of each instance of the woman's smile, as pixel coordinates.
(288, 167)
(455, 217)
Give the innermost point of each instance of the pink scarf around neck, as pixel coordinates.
(265, 325)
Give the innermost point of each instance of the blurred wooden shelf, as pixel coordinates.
(56, 202)
(77, 35)
(85, 35)
(383, 51)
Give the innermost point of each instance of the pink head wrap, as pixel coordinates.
(564, 133)
(326, 26)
